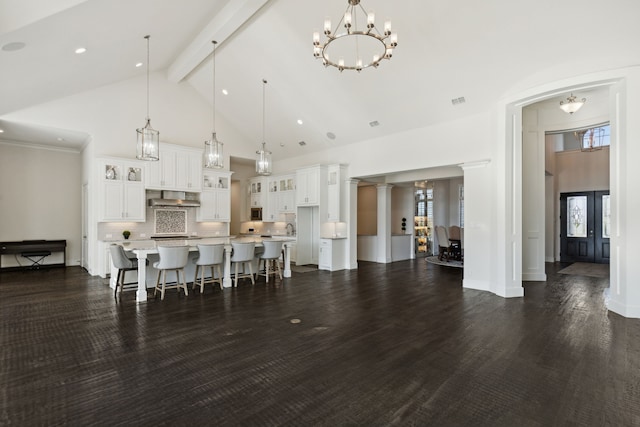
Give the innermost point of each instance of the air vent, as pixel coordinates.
(331, 135)
(374, 123)
(456, 101)
(302, 143)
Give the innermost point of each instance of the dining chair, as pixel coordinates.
(243, 253)
(455, 238)
(444, 245)
(271, 259)
(172, 258)
(208, 256)
(123, 263)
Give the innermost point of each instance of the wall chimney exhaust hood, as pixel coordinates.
(178, 199)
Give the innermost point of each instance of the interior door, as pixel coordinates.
(602, 217)
(584, 226)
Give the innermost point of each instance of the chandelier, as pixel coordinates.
(572, 104)
(263, 160)
(360, 46)
(213, 157)
(148, 141)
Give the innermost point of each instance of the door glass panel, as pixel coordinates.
(606, 217)
(577, 216)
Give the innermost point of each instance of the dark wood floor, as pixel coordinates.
(394, 344)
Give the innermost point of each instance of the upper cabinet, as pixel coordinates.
(122, 195)
(215, 199)
(257, 192)
(286, 194)
(308, 188)
(179, 169)
(336, 175)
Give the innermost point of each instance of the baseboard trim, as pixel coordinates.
(534, 277)
(479, 285)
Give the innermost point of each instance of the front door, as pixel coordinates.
(584, 227)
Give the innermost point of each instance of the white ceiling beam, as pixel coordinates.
(223, 25)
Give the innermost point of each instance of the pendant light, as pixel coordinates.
(263, 160)
(213, 156)
(148, 145)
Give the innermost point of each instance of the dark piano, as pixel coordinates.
(35, 251)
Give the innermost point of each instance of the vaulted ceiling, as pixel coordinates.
(447, 49)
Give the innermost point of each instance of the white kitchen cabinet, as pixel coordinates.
(332, 254)
(215, 198)
(286, 194)
(308, 188)
(336, 175)
(179, 169)
(122, 195)
(257, 192)
(270, 208)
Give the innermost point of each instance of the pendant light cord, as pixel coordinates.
(147, 37)
(214, 85)
(263, 111)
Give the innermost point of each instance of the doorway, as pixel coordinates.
(585, 224)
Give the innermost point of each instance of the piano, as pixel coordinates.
(35, 251)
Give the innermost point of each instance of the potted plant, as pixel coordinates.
(126, 234)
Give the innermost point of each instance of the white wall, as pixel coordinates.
(454, 201)
(40, 194)
(402, 206)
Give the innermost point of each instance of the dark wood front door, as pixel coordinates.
(584, 227)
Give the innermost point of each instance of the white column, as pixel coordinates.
(352, 223)
(141, 294)
(287, 260)
(226, 276)
(384, 223)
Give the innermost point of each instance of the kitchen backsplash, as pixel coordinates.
(169, 224)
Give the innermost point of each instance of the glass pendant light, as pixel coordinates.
(263, 160)
(213, 155)
(148, 145)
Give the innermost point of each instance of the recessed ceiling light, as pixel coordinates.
(10, 47)
(331, 135)
(60, 139)
(139, 64)
(1, 130)
(81, 50)
(299, 121)
(225, 92)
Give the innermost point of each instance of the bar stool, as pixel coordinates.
(271, 259)
(172, 258)
(243, 254)
(209, 256)
(123, 263)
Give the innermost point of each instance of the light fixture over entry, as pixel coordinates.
(148, 144)
(213, 155)
(572, 104)
(263, 160)
(360, 46)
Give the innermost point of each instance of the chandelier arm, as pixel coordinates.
(264, 85)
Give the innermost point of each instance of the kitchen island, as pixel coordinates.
(144, 248)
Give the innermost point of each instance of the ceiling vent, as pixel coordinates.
(374, 123)
(302, 143)
(456, 101)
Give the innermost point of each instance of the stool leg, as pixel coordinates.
(277, 261)
(220, 276)
(184, 282)
(195, 277)
(164, 282)
(253, 282)
(157, 283)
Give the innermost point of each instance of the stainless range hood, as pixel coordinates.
(177, 199)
